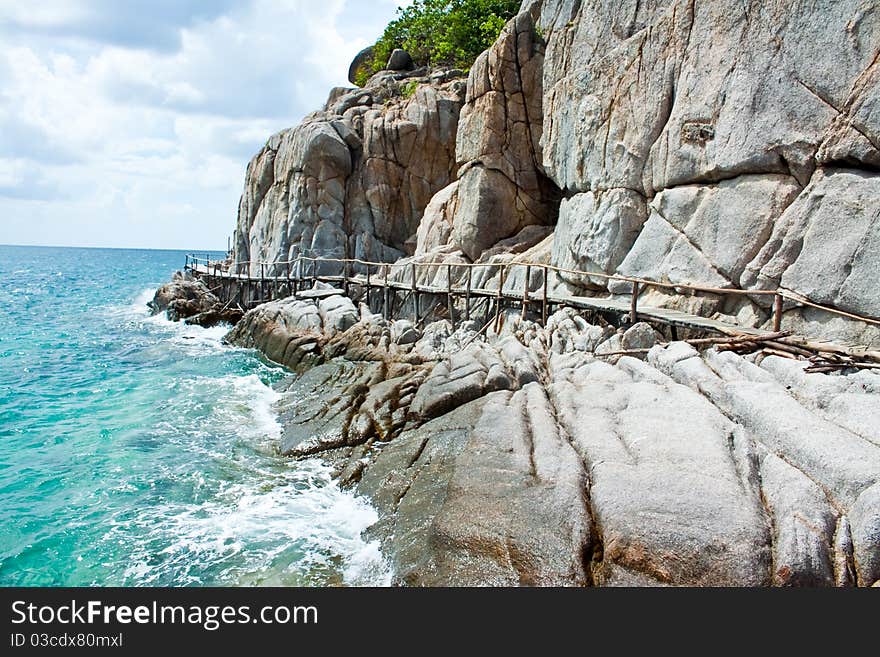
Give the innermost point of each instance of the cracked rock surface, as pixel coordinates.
(733, 143)
(353, 179)
(523, 459)
(728, 143)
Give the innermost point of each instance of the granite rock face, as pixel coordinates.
(703, 142)
(724, 144)
(352, 180)
(525, 459)
(502, 187)
(729, 144)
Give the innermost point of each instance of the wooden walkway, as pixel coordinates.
(398, 288)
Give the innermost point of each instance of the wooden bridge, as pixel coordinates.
(400, 286)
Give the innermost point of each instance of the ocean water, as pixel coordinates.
(138, 452)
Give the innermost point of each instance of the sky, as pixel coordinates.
(130, 123)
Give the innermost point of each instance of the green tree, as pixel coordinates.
(441, 32)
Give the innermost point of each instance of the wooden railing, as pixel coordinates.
(294, 272)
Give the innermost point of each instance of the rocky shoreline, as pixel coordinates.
(727, 145)
(527, 458)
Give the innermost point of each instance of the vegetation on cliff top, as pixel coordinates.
(441, 33)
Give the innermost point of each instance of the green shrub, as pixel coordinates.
(409, 89)
(441, 32)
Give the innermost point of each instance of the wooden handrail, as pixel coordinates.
(194, 261)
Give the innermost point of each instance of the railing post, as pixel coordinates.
(467, 294)
(262, 281)
(369, 289)
(415, 295)
(385, 293)
(525, 303)
(498, 302)
(449, 304)
(777, 313)
(634, 304)
(314, 271)
(345, 278)
(544, 300)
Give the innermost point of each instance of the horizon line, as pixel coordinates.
(113, 248)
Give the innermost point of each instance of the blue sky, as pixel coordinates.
(130, 122)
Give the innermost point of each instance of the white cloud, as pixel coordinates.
(123, 127)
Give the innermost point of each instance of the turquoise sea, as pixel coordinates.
(137, 452)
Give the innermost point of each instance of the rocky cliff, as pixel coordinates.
(525, 459)
(724, 143)
(353, 179)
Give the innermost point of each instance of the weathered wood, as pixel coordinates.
(386, 291)
(737, 340)
(525, 301)
(467, 295)
(634, 304)
(498, 301)
(780, 353)
(777, 313)
(544, 305)
(449, 303)
(415, 296)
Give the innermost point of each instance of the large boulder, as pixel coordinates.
(400, 60)
(730, 123)
(708, 233)
(184, 298)
(360, 64)
(827, 244)
(502, 186)
(354, 179)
